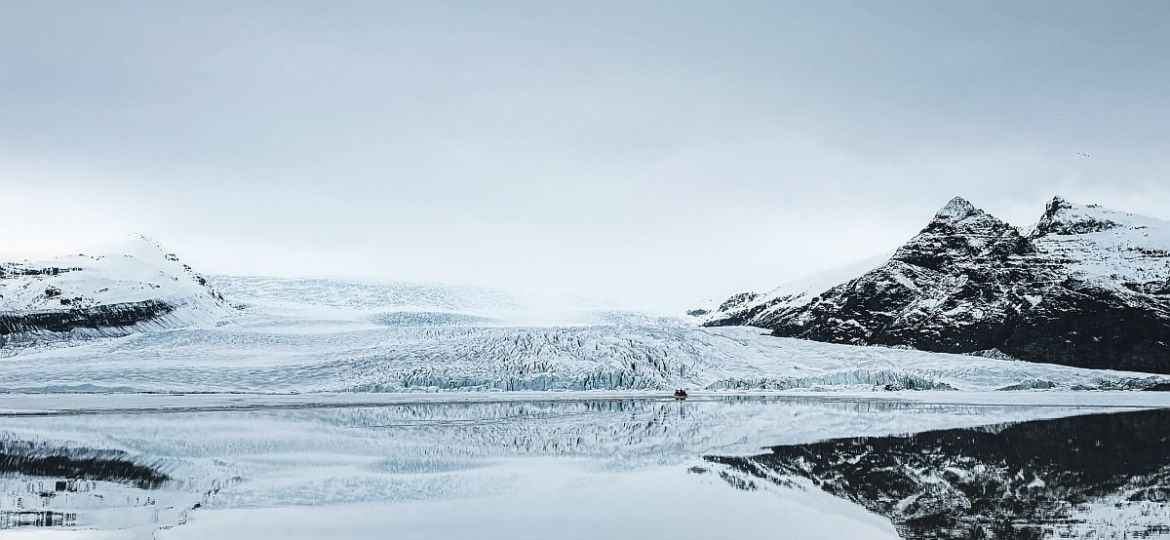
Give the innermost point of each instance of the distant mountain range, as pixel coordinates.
(1085, 286)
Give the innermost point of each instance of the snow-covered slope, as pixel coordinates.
(135, 285)
(1124, 252)
(748, 308)
(1085, 286)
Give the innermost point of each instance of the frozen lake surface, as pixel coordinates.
(586, 465)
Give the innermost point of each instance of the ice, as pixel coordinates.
(307, 347)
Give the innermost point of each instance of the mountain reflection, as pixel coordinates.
(1100, 475)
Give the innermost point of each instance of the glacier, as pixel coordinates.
(386, 337)
(136, 319)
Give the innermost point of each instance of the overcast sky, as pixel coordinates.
(653, 153)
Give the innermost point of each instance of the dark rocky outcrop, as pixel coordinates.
(97, 318)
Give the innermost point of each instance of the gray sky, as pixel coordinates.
(655, 153)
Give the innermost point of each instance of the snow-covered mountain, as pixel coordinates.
(1085, 286)
(133, 286)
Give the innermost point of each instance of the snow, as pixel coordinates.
(957, 209)
(135, 271)
(802, 291)
(905, 281)
(1130, 249)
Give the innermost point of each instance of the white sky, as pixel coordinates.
(653, 153)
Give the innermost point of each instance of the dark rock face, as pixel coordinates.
(1084, 326)
(995, 482)
(970, 282)
(96, 318)
(16, 269)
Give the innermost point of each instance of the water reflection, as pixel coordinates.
(1092, 476)
(154, 468)
(42, 485)
(74, 464)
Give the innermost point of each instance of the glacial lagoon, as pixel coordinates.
(1093, 465)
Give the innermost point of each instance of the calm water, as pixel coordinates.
(589, 468)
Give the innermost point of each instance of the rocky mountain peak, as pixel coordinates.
(961, 232)
(957, 209)
(1063, 217)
